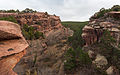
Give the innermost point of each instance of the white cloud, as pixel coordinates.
(77, 10)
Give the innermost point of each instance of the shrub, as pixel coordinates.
(10, 18)
(38, 23)
(108, 50)
(75, 58)
(76, 40)
(116, 8)
(107, 39)
(102, 11)
(30, 34)
(38, 34)
(25, 34)
(27, 10)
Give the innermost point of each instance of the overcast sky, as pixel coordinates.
(68, 10)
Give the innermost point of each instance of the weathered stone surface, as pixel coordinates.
(100, 61)
(89, 35)
(45, 21)
(94, 30)
(114, 14)
(55, 36)
(12, 47)
(112, 71)
(91, 54)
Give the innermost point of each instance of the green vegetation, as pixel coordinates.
(76, 40)
(102, 11)
(10, 11)
(27, 10)
(37, 34)
(30, 34)
(108, 50)
(10, 18)
(76, 58)
(75, 26)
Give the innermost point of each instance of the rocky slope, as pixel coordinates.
(48, 52)
(100, 53)
(94, 30)
(44, 55)
(12, 47)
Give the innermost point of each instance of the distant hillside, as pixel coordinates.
(74, 25)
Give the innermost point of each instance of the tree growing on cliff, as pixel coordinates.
(103, 11)
(30, 34)
(27, 10)
(76, 58)
(116, 8)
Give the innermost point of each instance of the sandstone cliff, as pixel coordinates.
(94, 30)
(40, 21)
(12, 47)
(101, 53)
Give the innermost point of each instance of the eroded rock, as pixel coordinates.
(44, 21)
(12, 47)
(100, 61)
(112, 71)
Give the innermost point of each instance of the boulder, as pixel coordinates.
(112, 71)
(91, 54)
(12, 47)
(100, 61)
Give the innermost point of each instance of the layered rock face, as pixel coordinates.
(114, 14)
(12, 47)
(94, 30)
(40, 21)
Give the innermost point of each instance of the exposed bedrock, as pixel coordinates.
(12, 47)
(94, 30)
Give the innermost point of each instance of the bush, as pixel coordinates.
(27, 10)
(30, 34)
(38, 34)
(76, 58)
(108, 50)
(76, 40)
(102, 11)
(116, 8)
(10, 11)
(10, 18)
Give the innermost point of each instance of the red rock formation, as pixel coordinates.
(114, 14)
(46, 21)
(12, 47)
(89, 35)
(93, 32)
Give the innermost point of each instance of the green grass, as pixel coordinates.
(74, 25)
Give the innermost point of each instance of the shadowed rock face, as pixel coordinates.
(94, 30)
(12, 47)
(114, 14)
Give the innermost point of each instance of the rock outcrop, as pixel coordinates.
(12, 47)
(100, 61)
(112, 71)
(40, 21)
(94, 30)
